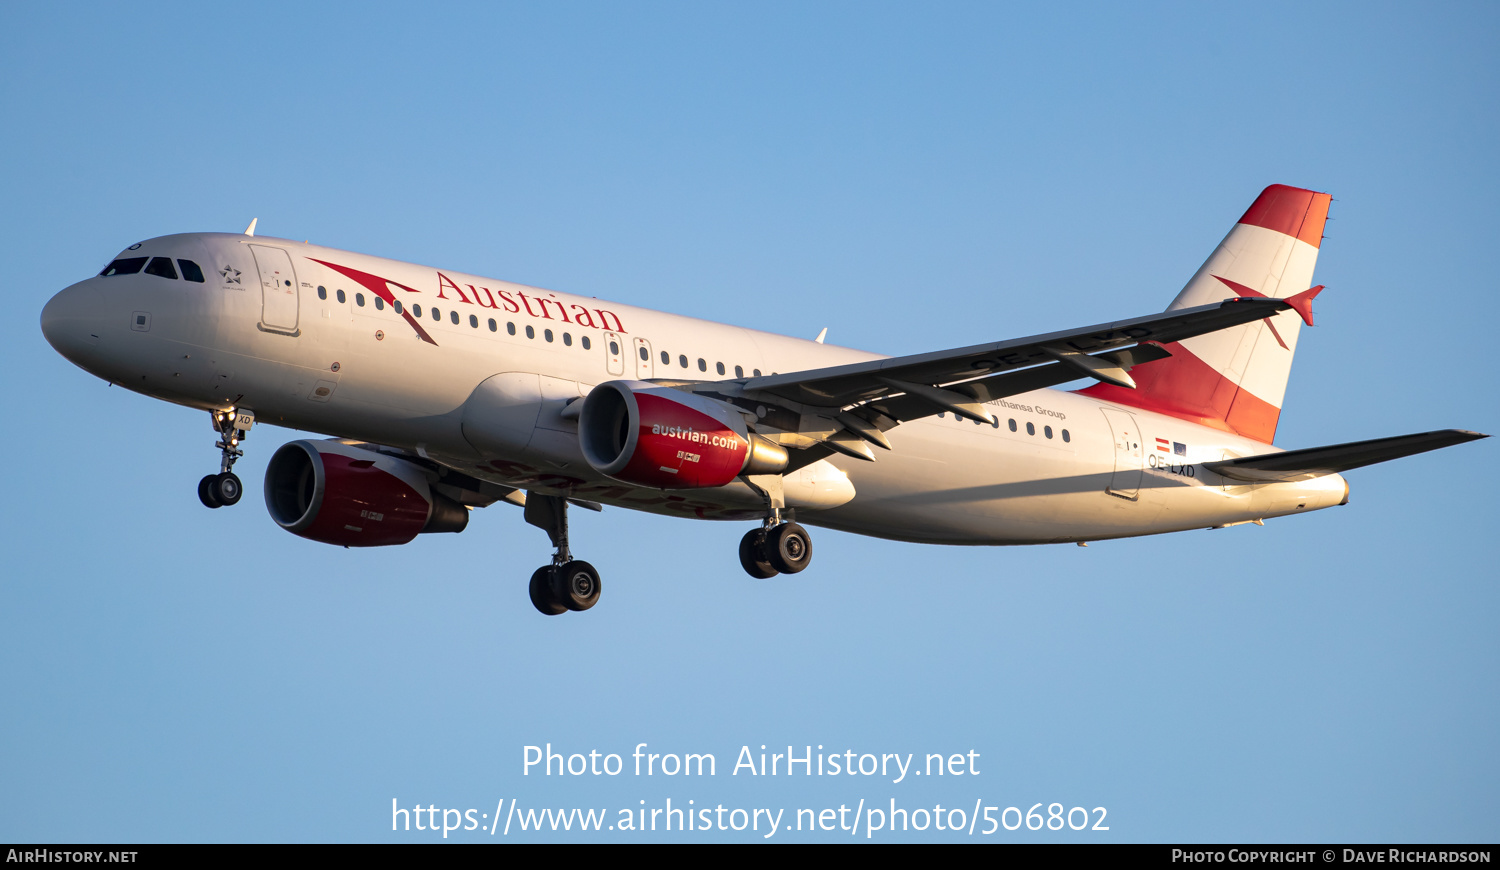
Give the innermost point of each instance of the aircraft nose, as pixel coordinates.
(71, 321)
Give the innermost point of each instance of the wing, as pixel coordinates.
(1317, 461)
(846, 408)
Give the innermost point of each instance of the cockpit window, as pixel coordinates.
(161, 267)
(190, 271)
(124, 266)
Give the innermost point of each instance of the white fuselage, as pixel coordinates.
(307, 354)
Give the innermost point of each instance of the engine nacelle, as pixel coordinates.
(351, 496)
(647, 435)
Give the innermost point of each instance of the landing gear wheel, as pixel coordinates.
(227, 488)
(788, 548)
(576, 585)
(541, 592)
(224, 489)
(752, 555)
(207, 491)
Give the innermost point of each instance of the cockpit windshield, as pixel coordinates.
(159, 266)
(124, 266)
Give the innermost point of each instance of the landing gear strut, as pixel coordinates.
(779, 546)
(224, 488)
(568, 583)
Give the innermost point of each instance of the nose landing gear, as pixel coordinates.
(224, 488)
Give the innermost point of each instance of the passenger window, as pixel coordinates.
(126, 266)
(739, 372)
(1047, 430)
(1030, 429)
(510, 328)
(547, 333)
(473, 322)
(323, 293)
(719, 367)
(702, 364)
(666, 358)
(494, 327)
(437, 315)
(757, 373)
(530, 333)
(161, 267)
(645, 357)
(397, 305)
(614, 349)
(682, 360)
(190, 271)
(1012, 425)
(379, 304)
(567, 339)
(1065, 436)
(416, 310)
(340, 295)
(584, 340)
(359, 299)
(453, 316)
(995, 422)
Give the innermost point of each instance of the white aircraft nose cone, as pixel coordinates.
(71, 322)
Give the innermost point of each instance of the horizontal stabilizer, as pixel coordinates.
(1317, 461)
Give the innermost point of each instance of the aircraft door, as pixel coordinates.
(278, 289)
(1129, 455)
(644, 365)
(614, 358)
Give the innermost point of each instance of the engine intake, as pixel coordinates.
(647, 435)
(350, 496)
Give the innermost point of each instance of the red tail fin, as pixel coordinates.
(1235, 379)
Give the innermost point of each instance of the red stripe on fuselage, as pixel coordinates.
(376, 284)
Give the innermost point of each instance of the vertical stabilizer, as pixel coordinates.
(1234, 379)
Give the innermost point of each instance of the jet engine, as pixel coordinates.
(647, 435)
(352, 496)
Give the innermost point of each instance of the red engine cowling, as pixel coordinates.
(654, 436)
(351, 496)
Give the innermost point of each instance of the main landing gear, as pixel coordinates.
(777, 547)
(568, 583)
(224, 488)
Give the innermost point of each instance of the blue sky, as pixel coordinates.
(912, 178)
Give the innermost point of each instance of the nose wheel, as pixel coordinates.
(220, 490)
(224, 489)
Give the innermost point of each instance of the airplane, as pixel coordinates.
(444, 392)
